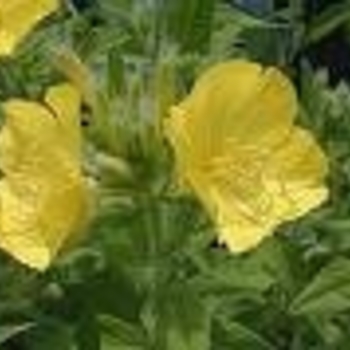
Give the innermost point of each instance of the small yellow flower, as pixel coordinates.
(18, 17)
(44, 198)
(236, 146)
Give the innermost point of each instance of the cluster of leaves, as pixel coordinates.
(149, 275)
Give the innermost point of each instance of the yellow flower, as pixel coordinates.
(18, 17)
(236, 146)
(44, 197)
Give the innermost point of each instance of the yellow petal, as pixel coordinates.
(292, 183)
(44, 196)
(38, 215)
(18, 17)
(24, 122)
(240, 102)
(65, 101)
(297, 171)
(238, 230)
(235, 144)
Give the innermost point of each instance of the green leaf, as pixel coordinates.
(177, 318)
(334, 16)
(9, 331)
(229, 24)
(116, 72)
(328, 293)
(119, 334)
(192, 17)
(254, 273)
(49, 334)
(234, 335)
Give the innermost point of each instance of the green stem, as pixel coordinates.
(298, 26)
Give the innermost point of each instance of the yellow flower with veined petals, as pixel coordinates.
(44, 197)
(18, 17)
(236, 146)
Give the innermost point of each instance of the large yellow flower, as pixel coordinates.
(236, 146)
(18, 17)
(43, 195)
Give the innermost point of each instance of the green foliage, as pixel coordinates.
(328, 292)
(10, 331)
